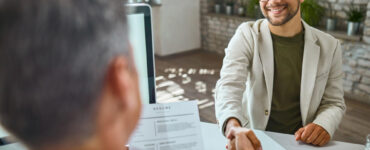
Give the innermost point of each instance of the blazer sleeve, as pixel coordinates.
(233, 75)
(332, 106)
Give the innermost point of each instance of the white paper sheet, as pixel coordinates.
(172, 126)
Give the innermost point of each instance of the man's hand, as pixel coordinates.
(232, 122)
(245, 144)
(313, 134)
(242, 139)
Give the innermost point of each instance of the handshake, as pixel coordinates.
(244, 139)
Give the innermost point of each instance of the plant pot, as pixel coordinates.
(330, 24)
(240, 11)
(156, 2)
(352, 28)
(217, 8)
(229, 10)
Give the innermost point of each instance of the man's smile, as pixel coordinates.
(276, 10)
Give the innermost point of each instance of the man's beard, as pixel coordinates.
(287, 18)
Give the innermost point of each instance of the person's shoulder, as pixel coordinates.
(250, 26)
(327, 43)
(323, 36)
(249, 29)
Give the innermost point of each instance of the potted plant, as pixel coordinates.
(217, 6)
(229, 7)
(253, 9)
(355, 16)
(311, 12)
(331, 21)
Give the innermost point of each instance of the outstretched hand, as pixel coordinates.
(242, 139)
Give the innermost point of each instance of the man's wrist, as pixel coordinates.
(232, 122)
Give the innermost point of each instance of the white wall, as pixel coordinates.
(176, 26)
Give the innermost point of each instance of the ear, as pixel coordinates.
(301, 1)
(112, 109)
(120, 106)
(121, 80)
(126, 93)
(125, 87)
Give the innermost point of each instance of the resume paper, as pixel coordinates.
(171, 126)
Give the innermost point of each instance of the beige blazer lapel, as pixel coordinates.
(310, 62)
(267, 57)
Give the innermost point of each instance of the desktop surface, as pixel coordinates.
(214, 140)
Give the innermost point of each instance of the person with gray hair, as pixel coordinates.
(67, 78)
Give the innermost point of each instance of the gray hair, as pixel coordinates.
(54, 56)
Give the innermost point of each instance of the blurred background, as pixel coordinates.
(190, 37)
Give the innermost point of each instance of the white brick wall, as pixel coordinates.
(356, 67)
(366, 37)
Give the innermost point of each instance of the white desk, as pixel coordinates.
(214, 140)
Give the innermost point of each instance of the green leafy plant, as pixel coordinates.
(311, 12)
(251, 11)
(355, 14)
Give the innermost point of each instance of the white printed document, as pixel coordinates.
(171, 126)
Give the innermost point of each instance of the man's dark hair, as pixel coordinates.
(54, 55)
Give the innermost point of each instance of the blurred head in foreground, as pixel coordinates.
(67, 78)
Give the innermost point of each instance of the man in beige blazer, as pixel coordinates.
(260, 79)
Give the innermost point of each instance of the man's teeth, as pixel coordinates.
(276, 10)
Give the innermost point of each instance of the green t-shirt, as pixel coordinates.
(285, 115)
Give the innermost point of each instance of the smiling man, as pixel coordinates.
(280, 74)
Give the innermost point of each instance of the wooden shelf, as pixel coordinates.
(221, 15)
(342, 35)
